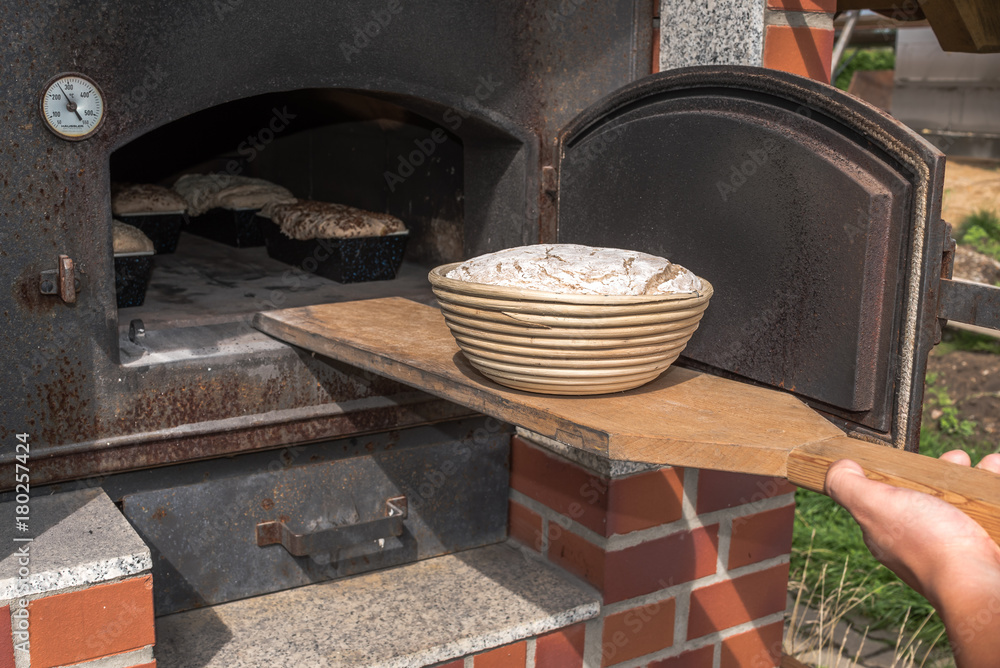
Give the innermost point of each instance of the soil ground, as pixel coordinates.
(972, 379)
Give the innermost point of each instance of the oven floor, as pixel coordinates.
(414, 615)
(206, 283)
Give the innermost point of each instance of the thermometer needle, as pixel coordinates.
(70, 103)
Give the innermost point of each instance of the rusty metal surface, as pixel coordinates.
(157, 62)
(971, 303)
(813, 215)
(201, 522)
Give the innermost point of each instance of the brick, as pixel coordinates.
(508, 656)
(637, 632)
(91, 623)
(645, 500)
(703, 657)
(718, 490)
(737, 601)
(577, 555)
(562, 486)
(758, 648)
(6, 639)
(524, 525)
(825, 6)
(562, 648)
(659, 563)
(151, 664)
(803, 51)
(761, 536)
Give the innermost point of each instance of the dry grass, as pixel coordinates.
(820, 630)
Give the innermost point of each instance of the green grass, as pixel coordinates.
(828, 533)
(981, 231)
(952, 340)
(864, 59)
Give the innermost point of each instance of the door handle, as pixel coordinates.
(325, 541)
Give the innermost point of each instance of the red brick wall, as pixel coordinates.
(691, 565)
(76, 627)
(799, 37)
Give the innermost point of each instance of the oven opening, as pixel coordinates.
(325, 145)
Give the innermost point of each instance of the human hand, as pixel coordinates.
(933, 547)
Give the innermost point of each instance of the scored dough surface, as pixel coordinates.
(145, 198)
(576, 269)
(305, 220)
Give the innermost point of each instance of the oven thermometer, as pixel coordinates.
(72, 106)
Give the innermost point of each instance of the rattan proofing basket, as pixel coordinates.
(555, 343)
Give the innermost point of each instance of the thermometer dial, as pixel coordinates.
(72, 106)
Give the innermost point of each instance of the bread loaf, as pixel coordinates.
(139, 198)
(304, 219)
(575, 269)
(210, 191)
(129, 239)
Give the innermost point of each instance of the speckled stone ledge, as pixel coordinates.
(722, 32)
(414, 615)
(79, 539)
(611, 468)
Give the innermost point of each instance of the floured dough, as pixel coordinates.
(305, 219)
(209, 191)
(145, 198)
(575, 269)
(129, 239)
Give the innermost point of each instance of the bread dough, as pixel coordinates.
(306, 219)
(576, 269)
(138, 198)
(129, 239)
(210, 191)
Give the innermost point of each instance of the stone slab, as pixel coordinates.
(414, 615)
(78, 539)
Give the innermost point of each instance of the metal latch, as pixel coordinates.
(330, 540)
(962, 301)
(61, 281)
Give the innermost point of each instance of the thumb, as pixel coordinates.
(846, 483)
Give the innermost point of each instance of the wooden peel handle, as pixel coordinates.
(973, 491)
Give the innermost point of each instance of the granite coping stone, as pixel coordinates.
(78, 539)
(414, 615)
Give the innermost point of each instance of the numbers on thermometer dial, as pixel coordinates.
(72, 106)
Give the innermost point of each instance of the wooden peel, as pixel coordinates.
(683, 418)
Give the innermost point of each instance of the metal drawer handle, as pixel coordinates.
(330, 540)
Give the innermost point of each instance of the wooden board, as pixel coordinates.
(684, 418)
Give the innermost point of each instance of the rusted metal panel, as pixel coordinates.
(811, 213)
(205, 535)
(544, 62)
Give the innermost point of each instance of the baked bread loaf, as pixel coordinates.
(210, 191)
(576, 269)
(305, 219)
(129, 239)
(140, 198)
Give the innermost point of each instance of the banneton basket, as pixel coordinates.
(554, 343)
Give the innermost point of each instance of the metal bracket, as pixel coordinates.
(330, 540)
(971, 303)
(61, 281)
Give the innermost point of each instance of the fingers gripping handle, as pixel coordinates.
(974, 492)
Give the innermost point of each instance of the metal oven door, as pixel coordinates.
(814, 215)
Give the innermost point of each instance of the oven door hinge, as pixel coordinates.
(61, 281)
(962, 301)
